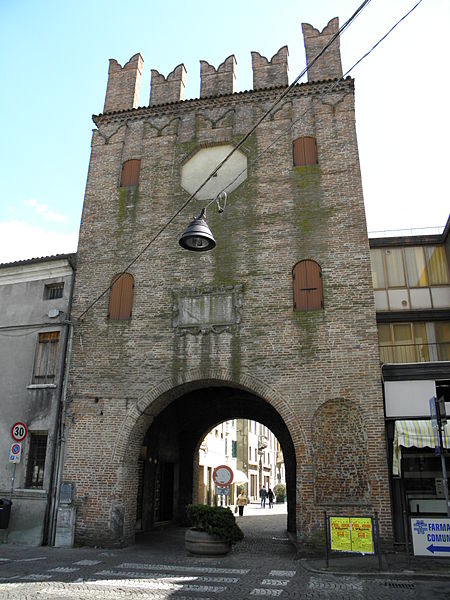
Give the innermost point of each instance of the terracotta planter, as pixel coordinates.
(201, 542)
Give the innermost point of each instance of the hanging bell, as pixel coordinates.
(198, 236)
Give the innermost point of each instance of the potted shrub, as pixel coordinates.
(214, 530)
(280, 492)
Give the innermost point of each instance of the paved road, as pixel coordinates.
(158, 567)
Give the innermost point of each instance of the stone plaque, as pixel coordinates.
(211, 309)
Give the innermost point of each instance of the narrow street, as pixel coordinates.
(157, 566)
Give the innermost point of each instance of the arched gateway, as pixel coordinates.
(188, 339)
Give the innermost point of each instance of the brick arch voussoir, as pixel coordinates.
(140, 415)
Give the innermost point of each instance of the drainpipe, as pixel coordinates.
(58, 461)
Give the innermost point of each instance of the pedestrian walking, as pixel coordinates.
(270, 496)
(263, 496)
(241, 502)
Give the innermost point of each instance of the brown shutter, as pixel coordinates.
(305, 151)
(130, 173)
(121, 297)
(307, 285)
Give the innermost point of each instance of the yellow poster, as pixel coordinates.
(340, 538)
(361, 534)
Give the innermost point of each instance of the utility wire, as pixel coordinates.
(228, 156)
(332, 87)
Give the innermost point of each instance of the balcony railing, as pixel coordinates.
(413, 353)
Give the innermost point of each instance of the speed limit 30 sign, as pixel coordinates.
(19, 431)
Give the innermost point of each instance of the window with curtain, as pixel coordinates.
(437, 265)
(121, 297)
(416, 267)
(394, 267)
(378, 279)
(414, 342)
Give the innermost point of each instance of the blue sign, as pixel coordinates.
(431, 537)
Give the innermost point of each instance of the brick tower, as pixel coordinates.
(276, 324)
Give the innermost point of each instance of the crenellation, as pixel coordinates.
(216, 82)
(329, 65)
(271, 73)
(124, 84)
(168, 89)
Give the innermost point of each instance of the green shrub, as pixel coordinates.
(216, 520)
(280, 490)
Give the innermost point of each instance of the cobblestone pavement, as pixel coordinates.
(157, 566)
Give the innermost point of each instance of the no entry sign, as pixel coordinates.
(19, 431)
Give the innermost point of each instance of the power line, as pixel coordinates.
(228, 156)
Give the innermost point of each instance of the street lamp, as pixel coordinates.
(198, 237)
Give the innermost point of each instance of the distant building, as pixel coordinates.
(35, 298)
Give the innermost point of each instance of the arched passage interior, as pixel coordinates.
(172, 441)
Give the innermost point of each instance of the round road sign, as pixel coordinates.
(19, 431)
(223, 475)
(15, 448)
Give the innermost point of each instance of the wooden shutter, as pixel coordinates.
(305, 151)
(121, 297)
(307, 284)
(130, 173)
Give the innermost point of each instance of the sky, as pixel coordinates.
(54, 59)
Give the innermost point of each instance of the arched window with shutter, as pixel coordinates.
(307, 285)
(130, 173)
(304, 151)
(121, 297)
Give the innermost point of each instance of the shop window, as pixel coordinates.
(130, 173)
(121, 297)
(36, 460)
(304, 151)
(46, 355)
(307, 286)
(53, 291)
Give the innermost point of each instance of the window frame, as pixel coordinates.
(49, 288)
(307, 302)
(121, 297)
(305, 153)
(46, 354)
(130, 172)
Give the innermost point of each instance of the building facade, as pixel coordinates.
(411, 280)
(277, 324)
(35, 297)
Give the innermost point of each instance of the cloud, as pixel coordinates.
(43, 210)
(20, 241)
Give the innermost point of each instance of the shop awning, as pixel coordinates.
(414, 433)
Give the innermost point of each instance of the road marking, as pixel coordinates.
(32, 577)
(265, 592)
(87, 563)
(157, 585)
(63, 569)
(282, 573)
(168, 577)
(149, 567)
(279, 582)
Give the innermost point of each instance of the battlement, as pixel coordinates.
(168, 89)
(124, 84)
(270, 73)
(328, 66)
(215, 82)
(122, 92)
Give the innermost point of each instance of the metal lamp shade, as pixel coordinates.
(197, 236)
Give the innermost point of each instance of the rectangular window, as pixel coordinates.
(415, 267)
(442, 329)
(437, 265)
(234, 449)
(45, 362)
(394, 265)
(53, 291)
(36, 460)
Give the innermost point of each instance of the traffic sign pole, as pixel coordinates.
(13, 477)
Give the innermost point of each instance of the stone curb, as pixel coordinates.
(387, 574)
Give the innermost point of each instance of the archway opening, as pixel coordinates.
(168, 463)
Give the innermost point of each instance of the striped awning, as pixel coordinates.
(414, 433)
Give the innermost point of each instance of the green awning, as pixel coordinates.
(418, 434)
